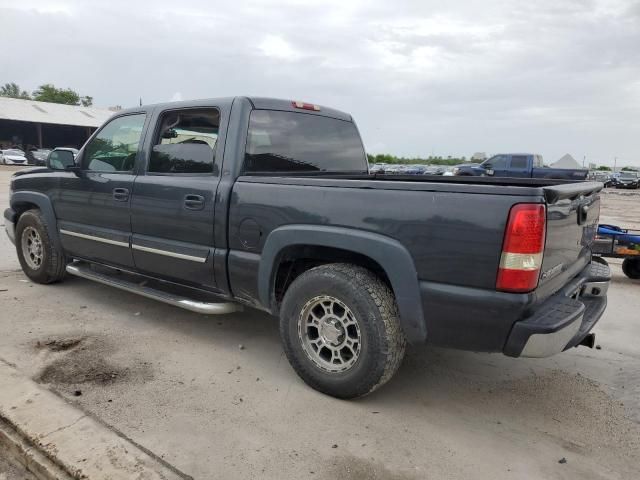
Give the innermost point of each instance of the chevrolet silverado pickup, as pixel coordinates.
(527, 165)
(217, 204)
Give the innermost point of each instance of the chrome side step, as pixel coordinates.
(84, 270)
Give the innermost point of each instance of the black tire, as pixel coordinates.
(381, 340)
(51, 267)
(631, 268)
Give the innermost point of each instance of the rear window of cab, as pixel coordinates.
(280, 141)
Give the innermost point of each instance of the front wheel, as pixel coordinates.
(340, 330)
(39, 258)
(631, 268)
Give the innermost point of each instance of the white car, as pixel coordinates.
(12, 156)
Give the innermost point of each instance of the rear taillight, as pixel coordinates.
(522, 248)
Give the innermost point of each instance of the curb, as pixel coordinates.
(56, 440)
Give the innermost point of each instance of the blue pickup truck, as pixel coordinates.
(527, 165)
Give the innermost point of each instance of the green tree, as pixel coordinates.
(49, 93)
(604, 168)
(86, 101)
(629, 169)
(12, 90)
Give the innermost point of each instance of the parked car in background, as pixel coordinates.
(377, 168)
(600, 176)
(12, 156)
(394, 169)
(528, 165)
(40, 155)
(434, 170)
(628, 180)
(403, 169)
(415, 169)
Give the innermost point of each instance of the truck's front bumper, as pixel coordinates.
(9, 224)
(566, 318)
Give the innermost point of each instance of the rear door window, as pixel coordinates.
(281, 141)
(519, 162)
(185, 142)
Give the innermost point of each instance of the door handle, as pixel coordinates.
(121, 194)
(194, 202)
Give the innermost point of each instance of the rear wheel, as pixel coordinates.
(39, 258)
(631, 268)
(340, 330)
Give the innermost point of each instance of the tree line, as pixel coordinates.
(604, 168)
(46, 93)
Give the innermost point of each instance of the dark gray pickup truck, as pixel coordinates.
(268, 203)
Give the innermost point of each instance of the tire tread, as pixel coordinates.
(388, 359)
(56, 262)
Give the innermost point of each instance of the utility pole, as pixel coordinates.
(615, 161)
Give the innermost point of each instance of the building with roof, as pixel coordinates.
(46, 125)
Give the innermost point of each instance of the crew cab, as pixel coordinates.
(220, 204)
(528, 165)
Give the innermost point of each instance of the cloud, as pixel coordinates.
(421, 76)
(277, 47)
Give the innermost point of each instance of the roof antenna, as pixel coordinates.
(140, 101)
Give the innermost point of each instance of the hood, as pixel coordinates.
(25, 171)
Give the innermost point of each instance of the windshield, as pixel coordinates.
(628, 175)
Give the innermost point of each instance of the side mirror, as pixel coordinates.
(61, 160)
(488, 169)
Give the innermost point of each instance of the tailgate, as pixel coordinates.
(573, 211)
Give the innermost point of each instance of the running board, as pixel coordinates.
(84, 270)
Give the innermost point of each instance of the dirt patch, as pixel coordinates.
(59, 345)
(87, 360)
(354, 468)
(68, 371)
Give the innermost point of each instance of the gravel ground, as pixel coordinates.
(180, 385)
(9, 470)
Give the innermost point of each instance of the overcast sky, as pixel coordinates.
(420, 77)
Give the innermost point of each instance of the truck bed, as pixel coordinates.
(452, 227)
